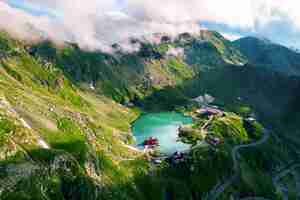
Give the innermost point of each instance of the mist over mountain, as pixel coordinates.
(98, 24)
(93, 93)
(66, 117)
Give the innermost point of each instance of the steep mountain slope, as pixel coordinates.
(263, 53)
(56, 141)
(128, 76)
(118, 76)
(268, 92)
(210, 48)
(64, 135)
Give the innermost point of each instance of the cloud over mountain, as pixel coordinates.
(96, 24)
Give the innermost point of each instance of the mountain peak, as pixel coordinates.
(263, 52)
(263, 40)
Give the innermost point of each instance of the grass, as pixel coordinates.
(210, 167)
(6, 43)
(7, 127)
(70, 139)
(290, 182)
(256, 182)
(88, 126)
(213, 163)
(180, 69)
(44, 156)
(256, 178)
(12, 72)
(163, 48)
(230, 128)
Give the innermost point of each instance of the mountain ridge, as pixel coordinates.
(269, 55)
(66, 114)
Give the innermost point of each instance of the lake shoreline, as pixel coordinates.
(163, 126)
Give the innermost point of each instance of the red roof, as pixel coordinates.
(151, 142)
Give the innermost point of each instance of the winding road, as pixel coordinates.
(276, 179)
(220, 188)
(235, 151)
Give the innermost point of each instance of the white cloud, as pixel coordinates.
(231, 36)
(96, 24)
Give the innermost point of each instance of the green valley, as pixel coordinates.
(66, 116)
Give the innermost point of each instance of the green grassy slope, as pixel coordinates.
(58, 142)
(211, 49)
(265, 54)
(59, 135)
(125, 76)
(62, 139)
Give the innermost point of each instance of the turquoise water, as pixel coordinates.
(163, 126)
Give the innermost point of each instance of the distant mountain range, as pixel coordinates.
(66, 113)
(263, 53)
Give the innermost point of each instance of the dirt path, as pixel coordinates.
(4, 104)
(132, 148)
(207, 123)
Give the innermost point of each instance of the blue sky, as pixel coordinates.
(277, 20)
(34, 9)
(37, 10)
